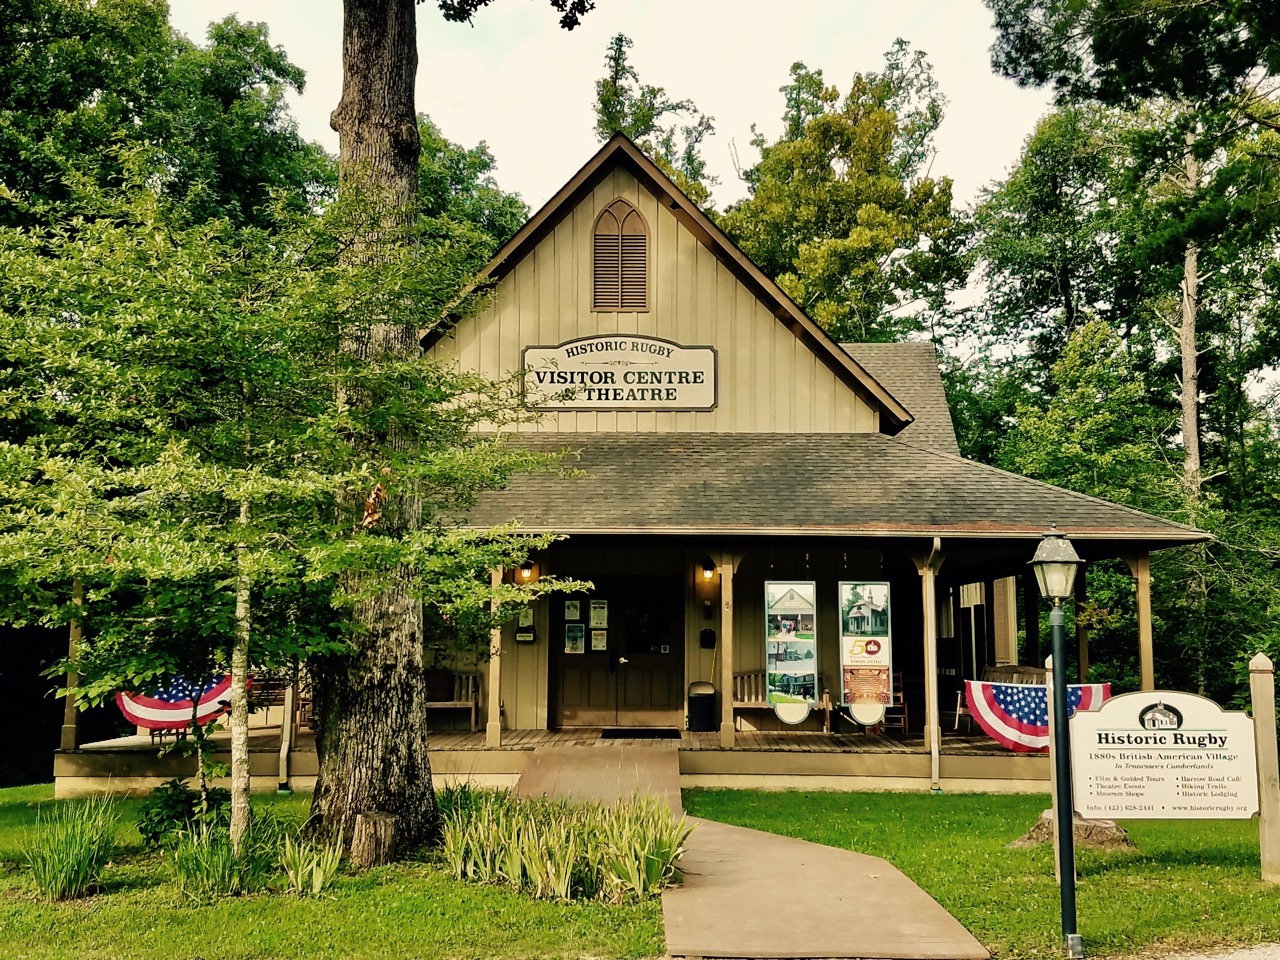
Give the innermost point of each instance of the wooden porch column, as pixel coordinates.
(928, 568)
(989, 613)
(70, 718)
(1082, 631)
(1031, 616)
(493, 728)
(726, 563)
(1141, 567)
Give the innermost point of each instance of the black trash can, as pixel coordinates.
(702, 707)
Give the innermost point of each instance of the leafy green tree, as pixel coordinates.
(88, 91)
(843, 212)
(625, 105)
(1126, 50)
(192, 457)
(458, 192)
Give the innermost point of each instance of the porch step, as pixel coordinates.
(749, 894)
(604, 772)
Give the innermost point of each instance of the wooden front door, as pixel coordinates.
(630, 671)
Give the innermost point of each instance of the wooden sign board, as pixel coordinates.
(1163, 755)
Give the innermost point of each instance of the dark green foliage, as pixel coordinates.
(94, 94)
(625, 105)
(843, 210)
(1130, 50)
(459, 197)
(174, 807)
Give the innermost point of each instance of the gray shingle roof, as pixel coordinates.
(817, 484)
(910, 372)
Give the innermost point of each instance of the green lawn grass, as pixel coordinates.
(408, 910)
(1191, 884)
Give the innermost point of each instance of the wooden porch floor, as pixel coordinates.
(267, 739)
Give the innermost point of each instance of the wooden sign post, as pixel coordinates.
(1262, 687)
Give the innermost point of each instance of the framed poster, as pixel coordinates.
(599, 613)
(572, 611)
(791, 642)
(599, 640)
(866, 648)
(574, 638)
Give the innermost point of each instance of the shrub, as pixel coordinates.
(72, 844)
(309, 868)
(173, 807)
(205, 866)
(561, 851)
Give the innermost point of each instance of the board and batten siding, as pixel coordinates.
(768, 380)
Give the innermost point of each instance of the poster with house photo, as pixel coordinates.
(791, 641)
(866, 649)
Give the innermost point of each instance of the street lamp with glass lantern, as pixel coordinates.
(1055, 564)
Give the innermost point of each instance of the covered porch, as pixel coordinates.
(768, 759)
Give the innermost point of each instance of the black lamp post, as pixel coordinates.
(1055, 565)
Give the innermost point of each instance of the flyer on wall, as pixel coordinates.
(866, 648)
(574, 638)
(791, 646)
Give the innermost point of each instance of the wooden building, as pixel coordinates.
(721, 442)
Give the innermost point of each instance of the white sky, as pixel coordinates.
(519, 82)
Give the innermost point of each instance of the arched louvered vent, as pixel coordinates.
(620, 261)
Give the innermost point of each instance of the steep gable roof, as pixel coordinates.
(619, 151)
(910, 372)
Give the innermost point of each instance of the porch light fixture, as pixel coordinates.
(708, 569)
(526, 570)
(1055, 564)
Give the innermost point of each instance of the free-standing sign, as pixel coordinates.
(619, 372)
(866, 654)
(791, 647)
(1163, 755)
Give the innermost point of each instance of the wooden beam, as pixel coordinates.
(989, 613)
(1146, 648)
(1031, 617)
(726, 565)
(493, 698)
(1082, 631)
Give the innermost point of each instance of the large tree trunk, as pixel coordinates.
(371, 719)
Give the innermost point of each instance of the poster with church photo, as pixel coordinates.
(791, 641)
(866, 649)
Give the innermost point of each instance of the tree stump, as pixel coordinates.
(1099, 834)
(374, 841)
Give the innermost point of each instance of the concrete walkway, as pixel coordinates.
(605, 772)
(749, 894)
(754, 895)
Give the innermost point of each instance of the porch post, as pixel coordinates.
(726, 651)
(493, 728)
(1031, 616)
(1082, 631)
(928, 569)
(70, 719)
(1146, 649)
(989, 617)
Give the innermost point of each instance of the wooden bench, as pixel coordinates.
(751, 692)
(465, 696)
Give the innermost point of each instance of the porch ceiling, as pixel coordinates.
(860, 485)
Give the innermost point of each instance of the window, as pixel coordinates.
(620, 259)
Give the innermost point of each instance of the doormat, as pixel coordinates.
(639, 733)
